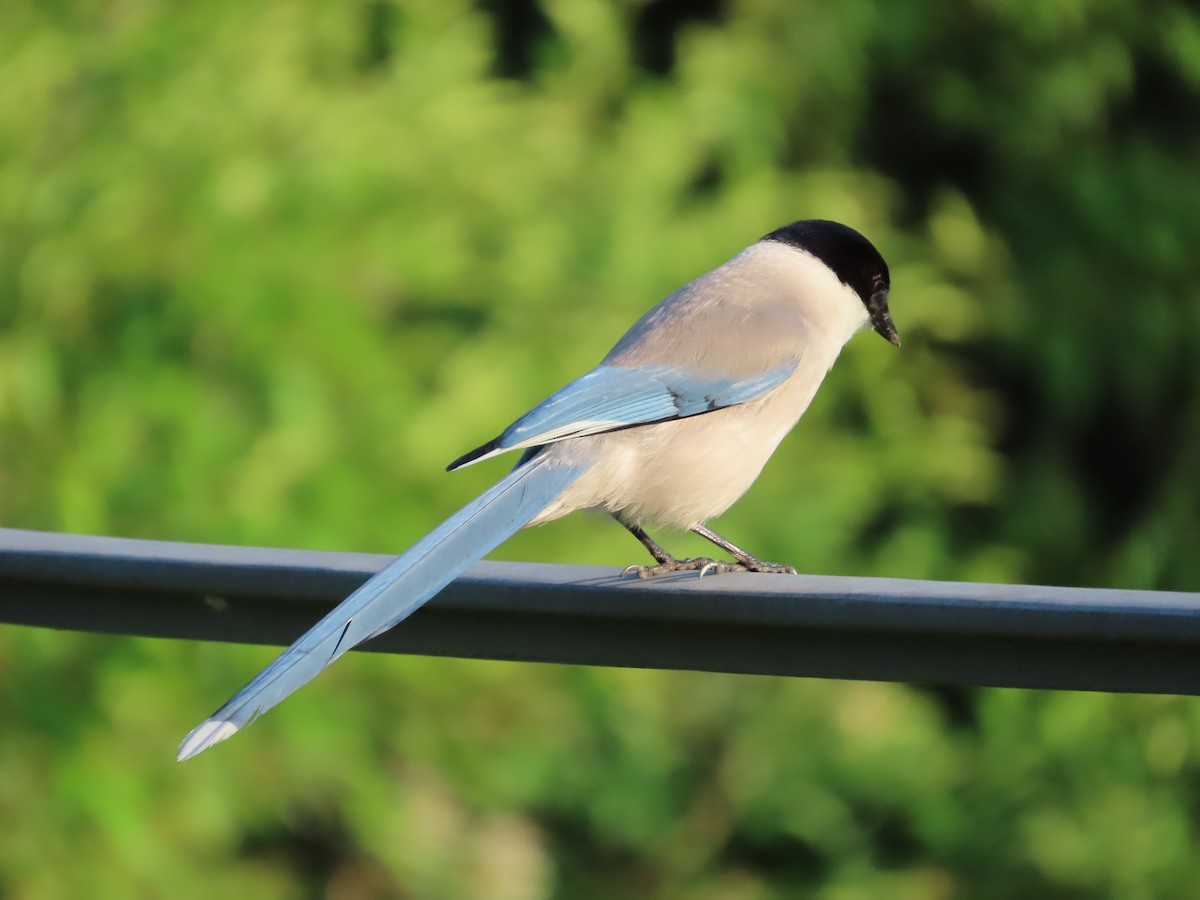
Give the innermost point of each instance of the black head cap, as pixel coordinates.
(852, 258)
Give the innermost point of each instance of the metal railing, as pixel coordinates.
(831, 627)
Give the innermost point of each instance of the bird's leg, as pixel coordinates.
(661, 556)
(745, 560)
(668, 563)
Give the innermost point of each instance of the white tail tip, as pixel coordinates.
(203, 736)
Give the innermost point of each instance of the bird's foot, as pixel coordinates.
(757, 565)
(701, 564)
(707, 566)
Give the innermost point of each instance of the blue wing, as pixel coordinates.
(612, 397)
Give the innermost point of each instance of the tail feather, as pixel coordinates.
(394, 593)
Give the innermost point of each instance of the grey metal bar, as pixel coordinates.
(831, 627)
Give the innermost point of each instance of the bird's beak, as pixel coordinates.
(881, 319)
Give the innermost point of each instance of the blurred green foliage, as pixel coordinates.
(265, 268)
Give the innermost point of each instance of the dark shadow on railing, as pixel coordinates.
(830, 627)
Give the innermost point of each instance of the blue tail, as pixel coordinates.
(394, 593)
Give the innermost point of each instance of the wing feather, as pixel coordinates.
(612, 397)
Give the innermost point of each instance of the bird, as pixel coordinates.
(672, 427)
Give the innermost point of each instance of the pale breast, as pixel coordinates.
(684, 472)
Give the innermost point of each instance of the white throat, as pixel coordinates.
(830, 307)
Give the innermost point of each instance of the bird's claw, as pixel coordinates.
(670, 566)
(704, 566)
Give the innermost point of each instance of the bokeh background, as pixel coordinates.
(266, 267)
